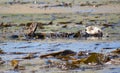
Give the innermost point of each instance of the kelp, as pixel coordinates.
(70, 59)
(93, 59)
(16, 66)
(117, 51)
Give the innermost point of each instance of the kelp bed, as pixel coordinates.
(58, 24)
(55, 56)
(19, 54)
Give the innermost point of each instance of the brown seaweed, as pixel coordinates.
(60, 54)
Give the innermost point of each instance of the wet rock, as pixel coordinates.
(50, 23)
(87, 3)
(17, 53)
(22, 24)
(29, 56)
(108, 48)
(1, 51)
(39, 35)
(78, 34)
(65, 26)
(28, 24)
(117, 51)
(107, 25)
(67, 22)
(40, 25)
(5, 25)
(60, 55)
(1, 61)
(81, 22)
(14, 37)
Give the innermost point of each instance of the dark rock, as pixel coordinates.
(117, 51)
(14, 36)
(1, 61)
(60, 54)
(29, 56)
(1, 51)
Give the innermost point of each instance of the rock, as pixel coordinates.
(62, 54)
(117, 51)
(14, 37)
(65, 26)
(40, 35)
(107, 25)
(78, 34)
(29, 56)
(67, 22)
(1, 61)
(1, 51)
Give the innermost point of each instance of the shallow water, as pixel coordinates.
(48, 47)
